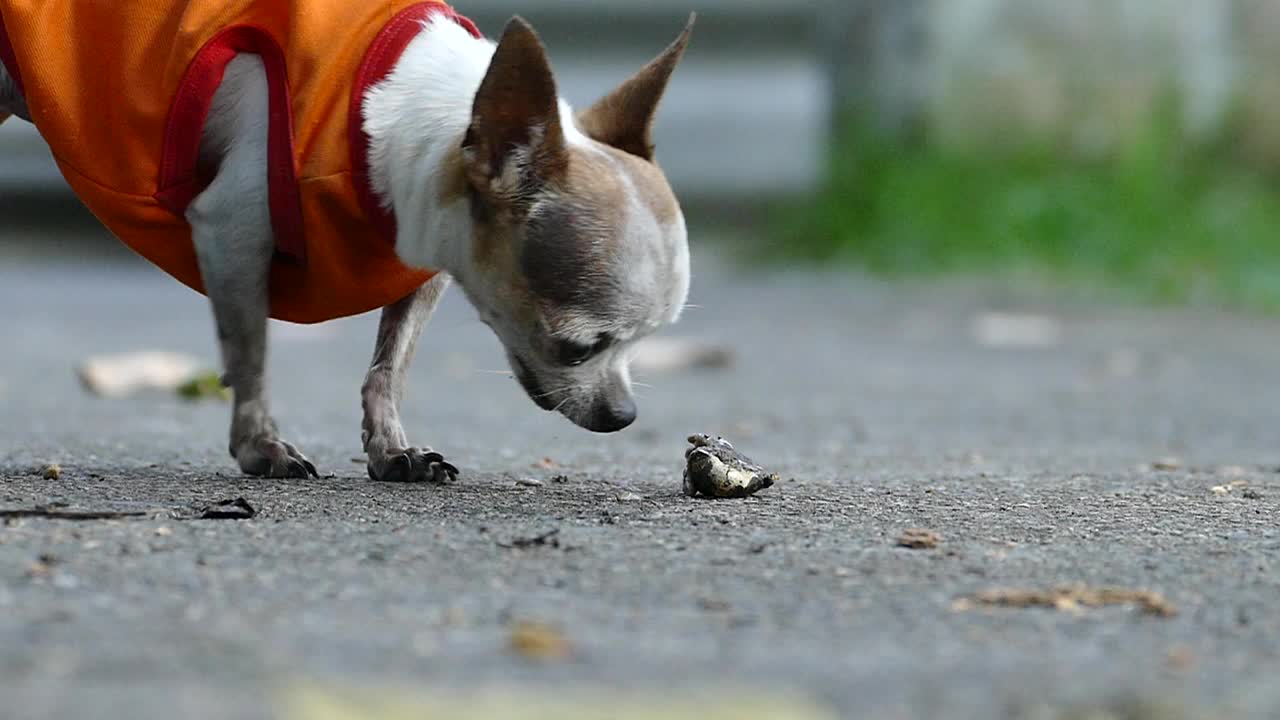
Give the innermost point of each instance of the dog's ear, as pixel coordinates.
(624, 117)
(516, 142)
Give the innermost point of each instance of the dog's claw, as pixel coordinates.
(311, 468)
(413, 465)
(272, 458)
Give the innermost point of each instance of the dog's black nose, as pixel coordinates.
(610, 416)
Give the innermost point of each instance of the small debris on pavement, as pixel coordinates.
(714, 469)
(919, 539)
(659, 355)
(537, 641)
(1229, 487)
(238, 509)
(1123, 363)
(547, 539)
(42, 565)
(1070, 598)
(547, 463)
(57, 513)
(204, 386)
(627, 497)
(715, 605)
(51, 472)
(118, 376)
(1181, 658)
(1168, 464)
(1016, 331)
(529, 482)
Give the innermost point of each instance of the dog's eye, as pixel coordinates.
(573, 354)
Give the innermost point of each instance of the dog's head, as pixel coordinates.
(579, 246)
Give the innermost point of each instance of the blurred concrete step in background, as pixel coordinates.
(746, 114)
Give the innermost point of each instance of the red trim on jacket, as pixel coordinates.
(179, 177)
(386, 49)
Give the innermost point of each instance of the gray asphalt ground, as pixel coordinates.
(875, 402)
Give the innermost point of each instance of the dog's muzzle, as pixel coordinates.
(531, 386)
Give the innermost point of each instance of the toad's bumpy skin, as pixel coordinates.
(714, 469)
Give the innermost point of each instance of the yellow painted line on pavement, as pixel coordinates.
(311, 702)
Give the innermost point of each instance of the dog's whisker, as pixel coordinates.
(556, 391)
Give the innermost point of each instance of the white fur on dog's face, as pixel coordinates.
(579, 247)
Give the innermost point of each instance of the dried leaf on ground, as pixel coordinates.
(204, 386)
(537, 641)
(51, 472)
(1070, 598)
(919, 539)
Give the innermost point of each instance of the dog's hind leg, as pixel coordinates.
(231, 229)
(11, 101)
(390, 457)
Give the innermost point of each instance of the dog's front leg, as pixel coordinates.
(390, 457)
(231, 230)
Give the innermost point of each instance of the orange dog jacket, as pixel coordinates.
(121, 92)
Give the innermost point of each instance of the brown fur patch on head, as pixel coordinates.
(652, 186)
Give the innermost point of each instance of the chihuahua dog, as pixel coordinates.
(558, 226)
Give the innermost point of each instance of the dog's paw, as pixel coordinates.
(412, 465)
(269, 457)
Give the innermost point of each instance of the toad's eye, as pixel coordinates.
(573, 354)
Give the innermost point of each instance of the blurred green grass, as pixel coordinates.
(1162, 220)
